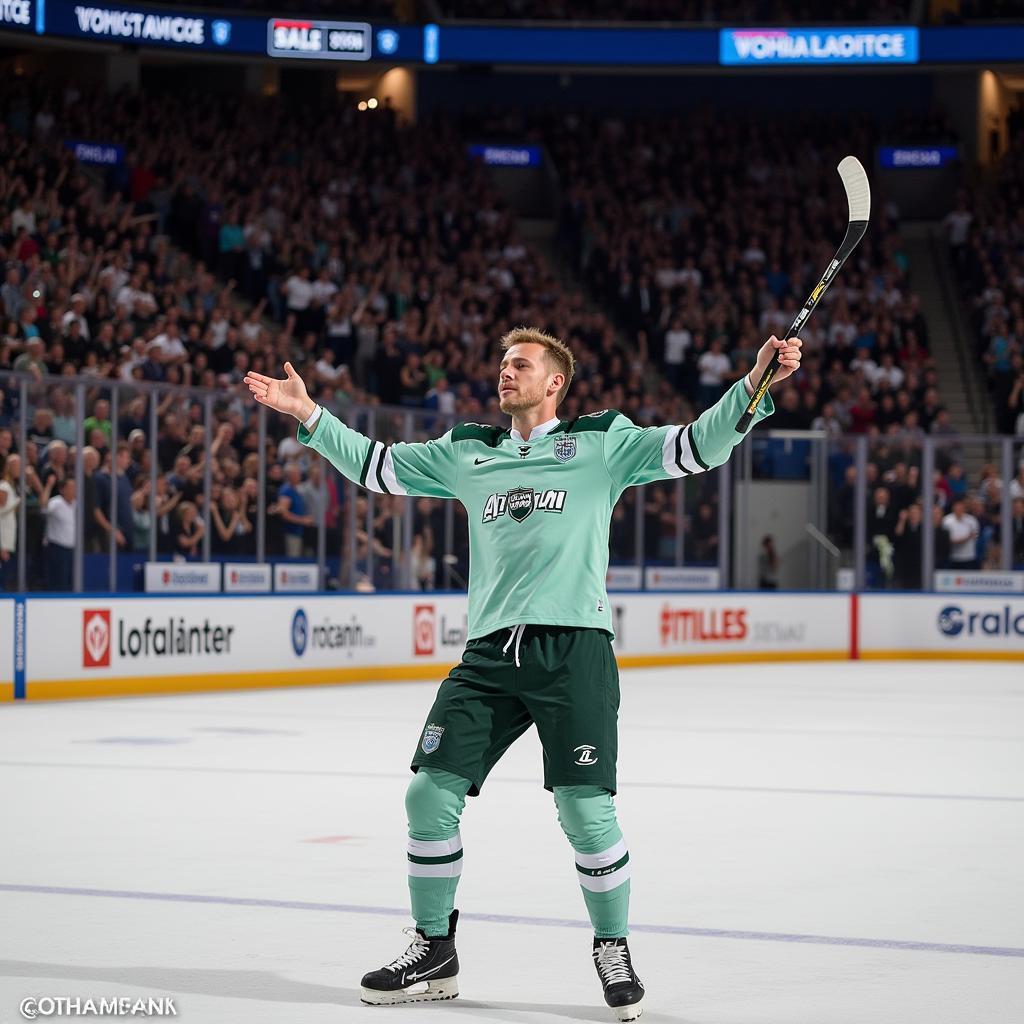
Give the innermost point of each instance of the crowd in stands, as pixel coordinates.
(242, 232)
(966, 514)
(375, 257)
(985, 231)
(706, 236)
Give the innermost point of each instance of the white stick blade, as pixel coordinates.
(858, 191)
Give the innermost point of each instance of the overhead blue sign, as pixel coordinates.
(140, 26)
(505, 156)
(917, 156)
(320, 40)
(972, 44)
(560, 46)
(554, 46)
(286, 37)
(102, 154)
(757, 47)
(16, 14)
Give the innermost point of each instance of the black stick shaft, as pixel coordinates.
(854, 233)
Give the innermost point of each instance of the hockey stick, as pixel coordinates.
(858, 197)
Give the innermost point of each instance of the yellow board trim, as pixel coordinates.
(934, 655)
(126, 686)
(728, 657)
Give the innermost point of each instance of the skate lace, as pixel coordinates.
(416, 951)
(612, 963)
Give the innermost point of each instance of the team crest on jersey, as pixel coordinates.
(521, 502)
(431, 738)
(565, 448)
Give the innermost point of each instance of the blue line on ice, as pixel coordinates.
(902, 945)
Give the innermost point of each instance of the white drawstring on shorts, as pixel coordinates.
(517, 635)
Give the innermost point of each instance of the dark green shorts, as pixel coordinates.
(567, 682)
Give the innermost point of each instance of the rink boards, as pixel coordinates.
(108, 645)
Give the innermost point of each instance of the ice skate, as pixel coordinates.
(428, 970)
(623, 990)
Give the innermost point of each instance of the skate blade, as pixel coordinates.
(627, 1013)
(446, 988)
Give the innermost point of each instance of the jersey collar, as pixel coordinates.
(539, 431)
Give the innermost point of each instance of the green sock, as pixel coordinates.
(434, 803)
(587, 816)
(604, 879)
(434, 870)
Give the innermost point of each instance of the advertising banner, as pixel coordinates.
(99, 154)
(319, 40)
(18, 15)
(980, 582)
(247, 577)
(119, 645)
(182, 577)
(505, 156)
(183, 29)
(678, 628)
(917, 156)
(139, 644)
(439, 627)
(289, 37)
(800, 46)
(949, 626)
(146, 26)
(624, 577)
(296, 576)
(677, 578)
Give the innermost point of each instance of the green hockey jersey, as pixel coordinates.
(539, 509)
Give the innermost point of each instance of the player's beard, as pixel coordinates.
(522, 399)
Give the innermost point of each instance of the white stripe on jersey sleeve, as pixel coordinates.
(376, 457)
(388, 472)
(677, 458)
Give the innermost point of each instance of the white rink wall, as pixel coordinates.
(107, 645)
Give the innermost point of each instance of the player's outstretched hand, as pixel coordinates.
(287, 396)
(789, 358)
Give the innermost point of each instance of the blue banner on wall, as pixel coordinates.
(757, 47)
(551, 46)
(17, 15)
(286, 37)
(917, 156)
(561, 46)
(505, 156)
(145, 26)
(102, 154)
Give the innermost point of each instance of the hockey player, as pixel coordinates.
(539, 496)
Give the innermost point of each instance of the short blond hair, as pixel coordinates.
(558, 354)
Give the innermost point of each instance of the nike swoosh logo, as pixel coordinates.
(479, 462)
(433, 970)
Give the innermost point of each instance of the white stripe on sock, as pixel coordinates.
(435, 847)
(604, 883)
(602, 859)
(450, 870)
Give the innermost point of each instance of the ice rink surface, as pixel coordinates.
(811, 844)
